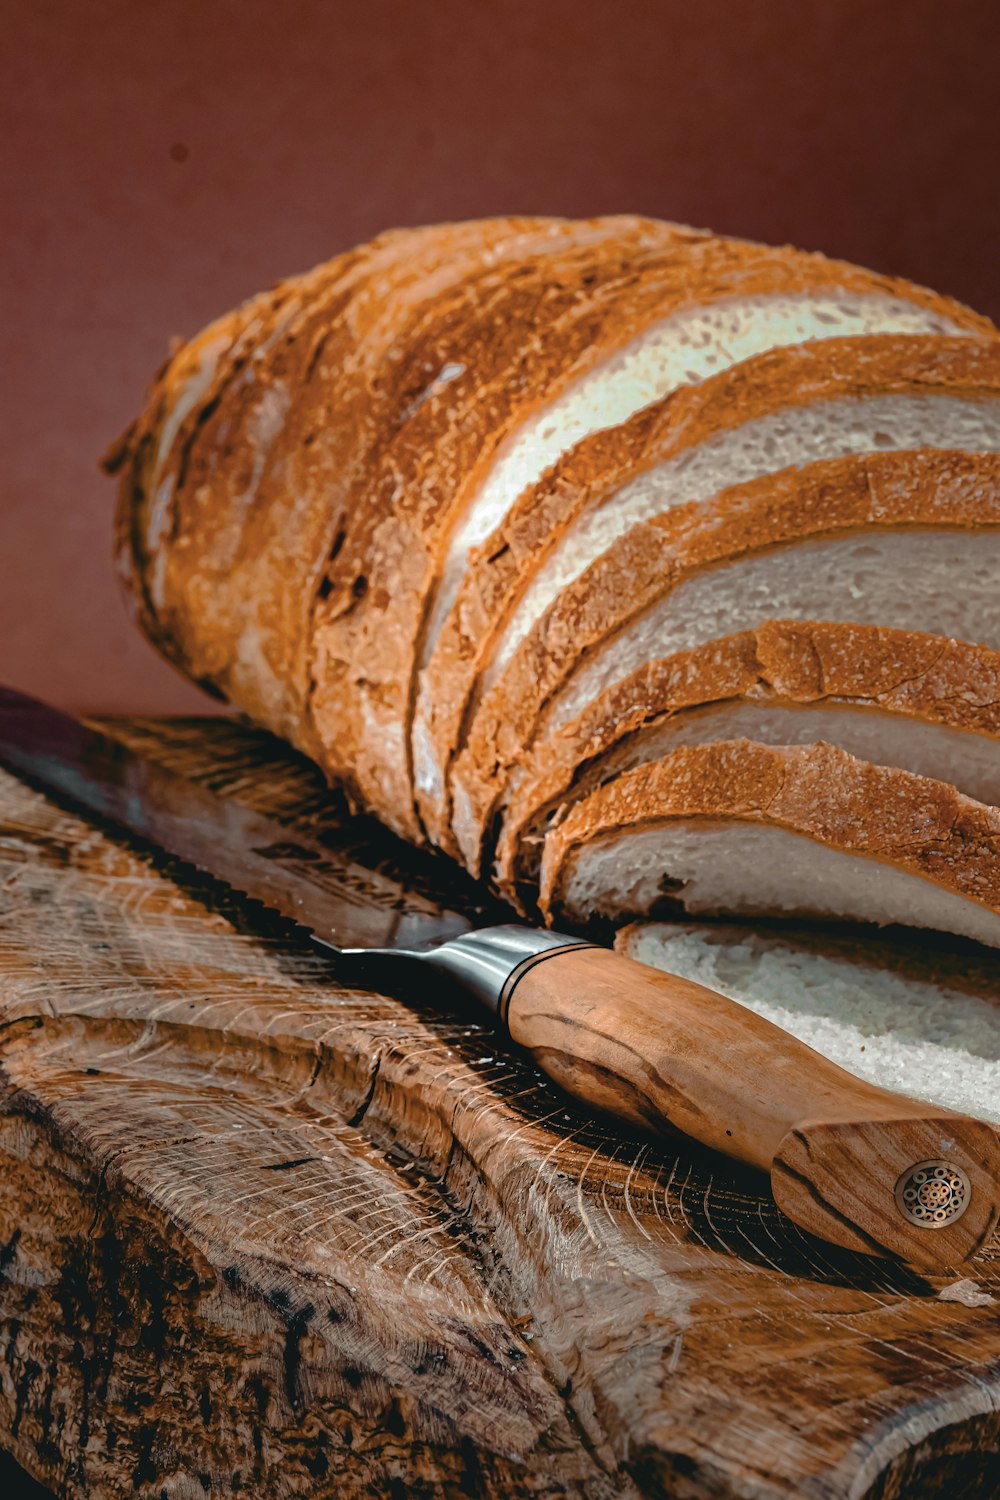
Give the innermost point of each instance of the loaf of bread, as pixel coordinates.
(520, 527)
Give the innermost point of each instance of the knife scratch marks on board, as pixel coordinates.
(636, 1164)
(581, 1208)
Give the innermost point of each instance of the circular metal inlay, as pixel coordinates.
(933, 1194)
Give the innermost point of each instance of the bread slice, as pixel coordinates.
(896, 698)
(916, 1018)
(789, 406)
(877, 539)
(801, 830)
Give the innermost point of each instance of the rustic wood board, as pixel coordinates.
(263, 1236)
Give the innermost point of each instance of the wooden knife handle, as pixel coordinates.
(848, 1161)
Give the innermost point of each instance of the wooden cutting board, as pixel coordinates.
(263, 1236)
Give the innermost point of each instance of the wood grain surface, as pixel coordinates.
(264, 1236)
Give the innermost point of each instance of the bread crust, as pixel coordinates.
(256, 472)
(923, 827)
(926, 488)
(782, 663)
(589, 476)
(152, 453)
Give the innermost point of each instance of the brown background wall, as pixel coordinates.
(163, 160)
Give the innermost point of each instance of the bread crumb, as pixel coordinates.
(966, 1292)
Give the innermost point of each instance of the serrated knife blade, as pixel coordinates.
(339, 899)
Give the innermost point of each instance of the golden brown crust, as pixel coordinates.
(781, 663)
(923, 827)
(149, 459)
(258, 472)
(596, 285)
(927, 488)
(599, 467)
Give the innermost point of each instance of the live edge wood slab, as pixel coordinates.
(264, 1236)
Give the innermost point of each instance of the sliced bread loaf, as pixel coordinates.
(310, 472)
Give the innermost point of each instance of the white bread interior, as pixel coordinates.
(747, 869)
(943, 582)
(927, 1026)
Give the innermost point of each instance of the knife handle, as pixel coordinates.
(848, 1161)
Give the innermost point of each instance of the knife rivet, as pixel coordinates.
(933, 1194)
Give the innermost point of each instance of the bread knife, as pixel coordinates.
(848, 1161)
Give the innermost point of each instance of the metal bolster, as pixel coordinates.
(481, 963)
